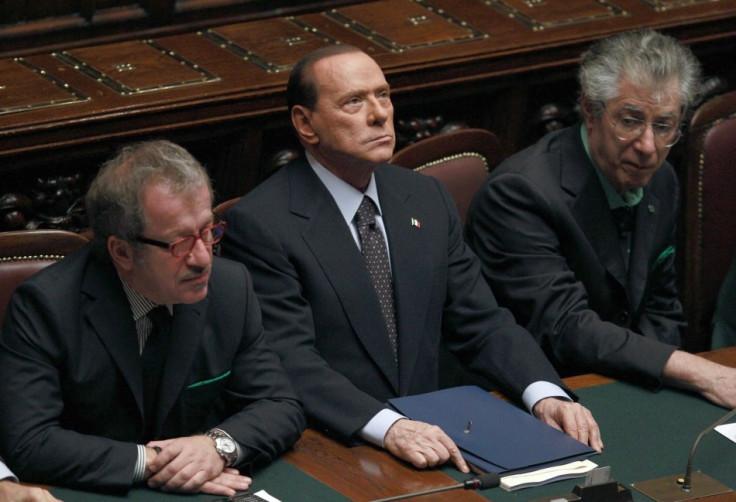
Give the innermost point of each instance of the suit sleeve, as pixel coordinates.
(34, 440)
(484, 336)
(514, 231)
(330, 400)
(266, 416)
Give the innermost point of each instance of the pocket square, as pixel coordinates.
(669, 250)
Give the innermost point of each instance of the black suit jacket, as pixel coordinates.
(545, 233)
(71, 409)
(322, 315)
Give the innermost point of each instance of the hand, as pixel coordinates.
(14, 492)
(422, 445)
(192, 465)
(717, 383)
(571, 418)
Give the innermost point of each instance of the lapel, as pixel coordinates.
(647, 219)
(334, 249)
(108, 315)
(409, 261)
(187, 326)
(590, 207)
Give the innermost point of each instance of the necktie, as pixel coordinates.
(623, 217)
(373, 247)
(153, 358)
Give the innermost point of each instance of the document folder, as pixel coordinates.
(494, 436)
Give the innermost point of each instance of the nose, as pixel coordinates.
(646, 142)
(378, 112)
(200, 255)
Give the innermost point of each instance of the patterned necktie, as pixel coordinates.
(373, 247)
(153, 358)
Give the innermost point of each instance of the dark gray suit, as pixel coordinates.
(71, 409)
(545, 233)
(322, 315)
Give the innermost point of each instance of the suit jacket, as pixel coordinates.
(71, 407)
(321, 312)
(545, 233)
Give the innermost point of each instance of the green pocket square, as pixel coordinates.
(670, 250)
(211, 380)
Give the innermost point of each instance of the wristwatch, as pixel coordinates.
(225, 445)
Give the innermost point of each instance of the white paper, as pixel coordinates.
(266, 496)
(728, 430)
(547, 475)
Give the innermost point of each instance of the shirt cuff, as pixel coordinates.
(140, 465)
(377, 427)
(6, 474)
(537, 391)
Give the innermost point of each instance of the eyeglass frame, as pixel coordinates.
(644, 124)
(198, 236)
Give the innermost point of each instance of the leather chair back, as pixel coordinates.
(460, 159)
(709, 198)
(25, 252)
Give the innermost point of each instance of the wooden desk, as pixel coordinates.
(364, 473)
(319, 469)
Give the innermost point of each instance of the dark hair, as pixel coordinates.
(301, 89)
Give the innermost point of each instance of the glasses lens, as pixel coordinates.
(628, 129)
(183, 246)
(214, 233)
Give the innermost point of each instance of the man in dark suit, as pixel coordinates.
(142, 357)
(347, 346)
(576, 233)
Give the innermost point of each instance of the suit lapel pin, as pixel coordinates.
(650, 208)
(415, 223)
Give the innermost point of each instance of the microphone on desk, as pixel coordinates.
(691, 485)
(482, 482)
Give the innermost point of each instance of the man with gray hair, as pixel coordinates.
(141, 357)
(576, 233)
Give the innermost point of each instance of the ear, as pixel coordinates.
(301, 118)
(586, 108)
(121, 252)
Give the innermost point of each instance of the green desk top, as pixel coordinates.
(646, 435)
(280, 479)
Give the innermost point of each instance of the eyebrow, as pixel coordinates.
(637, 110)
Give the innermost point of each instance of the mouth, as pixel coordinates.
(381, 139)
(197, 279)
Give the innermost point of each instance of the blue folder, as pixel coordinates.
(501, 439)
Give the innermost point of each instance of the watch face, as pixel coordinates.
(225, 444)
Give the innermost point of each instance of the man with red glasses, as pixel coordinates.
(141, 358)
(577, 232)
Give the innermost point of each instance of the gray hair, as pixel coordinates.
(645, 58)
(113, 200)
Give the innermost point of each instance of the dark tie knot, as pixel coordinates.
(160, 318)
(366, 215)
(623, 217)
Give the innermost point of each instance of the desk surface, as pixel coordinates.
(635, 426)
(647, 435)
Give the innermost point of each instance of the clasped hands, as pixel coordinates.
(191, 465)
(424, 445)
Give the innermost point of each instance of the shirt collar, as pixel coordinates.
(631, 197)
(139, 304)
(347, 197)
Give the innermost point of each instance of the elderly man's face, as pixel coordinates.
(155, 272)
(631, 163)
(351, 126)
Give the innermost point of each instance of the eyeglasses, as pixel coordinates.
(209, 235)
(628, 128)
